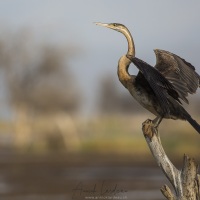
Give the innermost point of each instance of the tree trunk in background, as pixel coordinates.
(22, 128)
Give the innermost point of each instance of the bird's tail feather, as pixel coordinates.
(195, 125)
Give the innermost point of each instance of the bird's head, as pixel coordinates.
(115, 26)
(122, 29)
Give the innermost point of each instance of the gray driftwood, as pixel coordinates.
(186, 182)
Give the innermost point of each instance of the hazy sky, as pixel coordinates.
(170, 25)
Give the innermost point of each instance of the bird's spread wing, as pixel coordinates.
(159, 84)
(179, 72)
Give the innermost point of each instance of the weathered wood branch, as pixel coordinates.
(186, 182)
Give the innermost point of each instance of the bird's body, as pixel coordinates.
(141, 90)
(159, 89)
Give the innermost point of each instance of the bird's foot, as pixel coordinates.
(149, 128)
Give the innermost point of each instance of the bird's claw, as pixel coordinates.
(149, 129)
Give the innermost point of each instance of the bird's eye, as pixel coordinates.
(114, 24)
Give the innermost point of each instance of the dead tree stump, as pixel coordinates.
(186, 182)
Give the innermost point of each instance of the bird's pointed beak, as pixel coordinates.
(102, 24)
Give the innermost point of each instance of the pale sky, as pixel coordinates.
(170, 25)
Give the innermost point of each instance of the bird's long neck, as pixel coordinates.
(131, 46)
(123, 66)
(124, 61)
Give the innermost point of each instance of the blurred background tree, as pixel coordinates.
(38, 78)
(40, 88)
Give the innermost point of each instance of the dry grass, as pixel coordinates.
(103, 135)
(123, 135)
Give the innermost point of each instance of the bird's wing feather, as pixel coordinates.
(179, 72)
(159, 84)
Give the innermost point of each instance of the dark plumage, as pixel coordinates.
(159, 89)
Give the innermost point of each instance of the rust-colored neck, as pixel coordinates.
(124, 61)
(123, 66)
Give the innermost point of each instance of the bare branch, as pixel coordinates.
(167, 192)
(185, 182)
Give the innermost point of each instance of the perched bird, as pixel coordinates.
(159, 89)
